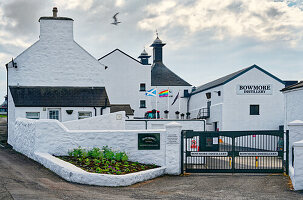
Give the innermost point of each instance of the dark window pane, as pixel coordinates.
(142, 87)
(254, 110)
(142, 104)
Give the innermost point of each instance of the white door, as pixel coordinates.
(54, 114)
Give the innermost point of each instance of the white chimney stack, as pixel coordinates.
(56, 29)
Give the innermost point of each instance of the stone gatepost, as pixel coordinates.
(173, 148)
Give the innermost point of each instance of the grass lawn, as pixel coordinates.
(4, 116)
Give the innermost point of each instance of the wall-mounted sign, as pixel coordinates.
(258, 153)
(208, 153)
(257, 89)
(172, 139)
(148, 141)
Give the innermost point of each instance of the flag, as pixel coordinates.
(152, 92)
(164, 93)
(176, 98)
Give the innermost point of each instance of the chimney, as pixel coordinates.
(56, 29)
(55, 11)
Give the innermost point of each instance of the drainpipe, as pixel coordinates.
(95, 111)
(103, 107)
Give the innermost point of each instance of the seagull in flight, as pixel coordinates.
(115, 19)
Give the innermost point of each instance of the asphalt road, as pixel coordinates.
(22, 178)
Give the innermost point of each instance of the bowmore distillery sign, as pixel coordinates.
(255, 89)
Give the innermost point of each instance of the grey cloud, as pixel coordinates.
(273, 12)
(25, 14)
(235, 7)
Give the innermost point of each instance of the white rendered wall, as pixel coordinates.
(112, 121)
(164, 103)
(51, 136)
(293, 105)
(296, 141)
(56, 60)
(199, 101)
(236, 114)
(21, 112)
(122, 80)
(138, 124)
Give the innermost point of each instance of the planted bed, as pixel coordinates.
(104, 161)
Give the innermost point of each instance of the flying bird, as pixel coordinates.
(115, 20)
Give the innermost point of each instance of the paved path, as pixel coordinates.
(22, 178)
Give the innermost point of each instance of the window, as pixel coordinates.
(186, 94)
(142, 87)
(84, 114)
(208, 95)
(219, 93)
(142, 104)
(254, 110)
(54, 114)
(32, 115)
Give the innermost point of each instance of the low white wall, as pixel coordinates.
(74, 174)
(51, 136)
(137, 124)
(296, 141)
(112, 121)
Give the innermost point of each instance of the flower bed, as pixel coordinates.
(104, 161)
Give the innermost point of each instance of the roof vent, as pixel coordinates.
(55, 11)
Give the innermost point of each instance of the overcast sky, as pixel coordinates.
(205, 39)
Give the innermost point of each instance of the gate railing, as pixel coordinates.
(234, 151)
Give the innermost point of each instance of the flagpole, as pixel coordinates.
(168, 104)
(179, 102)
(156, 103)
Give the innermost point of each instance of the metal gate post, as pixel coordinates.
(182, 151)
(287, 152)
(233, 155)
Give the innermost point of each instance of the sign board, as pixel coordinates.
(274, 153)
(255, 89)
(208, 153)
(172, 139)
(148, 141)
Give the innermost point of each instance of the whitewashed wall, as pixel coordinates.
(122, 81)
(112, 121)
(164, 103)
(51, 136)
(138, 124)
(236, 107)
(21, 112)
(296, 141)
(199, 101)
(293, 105)
(54, 60)
(231, 110)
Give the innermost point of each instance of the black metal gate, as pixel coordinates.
(234, 151)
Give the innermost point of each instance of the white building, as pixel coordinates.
(55, 77)
(126, 80)
(293, 98)
(249, 99)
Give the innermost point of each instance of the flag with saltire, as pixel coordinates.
(164, 93)
(152, 92)
(176, 98)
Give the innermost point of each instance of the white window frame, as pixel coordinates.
(28, 117)
(54, 109)
(84, 112)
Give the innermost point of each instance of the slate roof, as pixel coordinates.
(162, 76)
(295, 86)
(225, 79)
(59, 96)
(121, 107)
